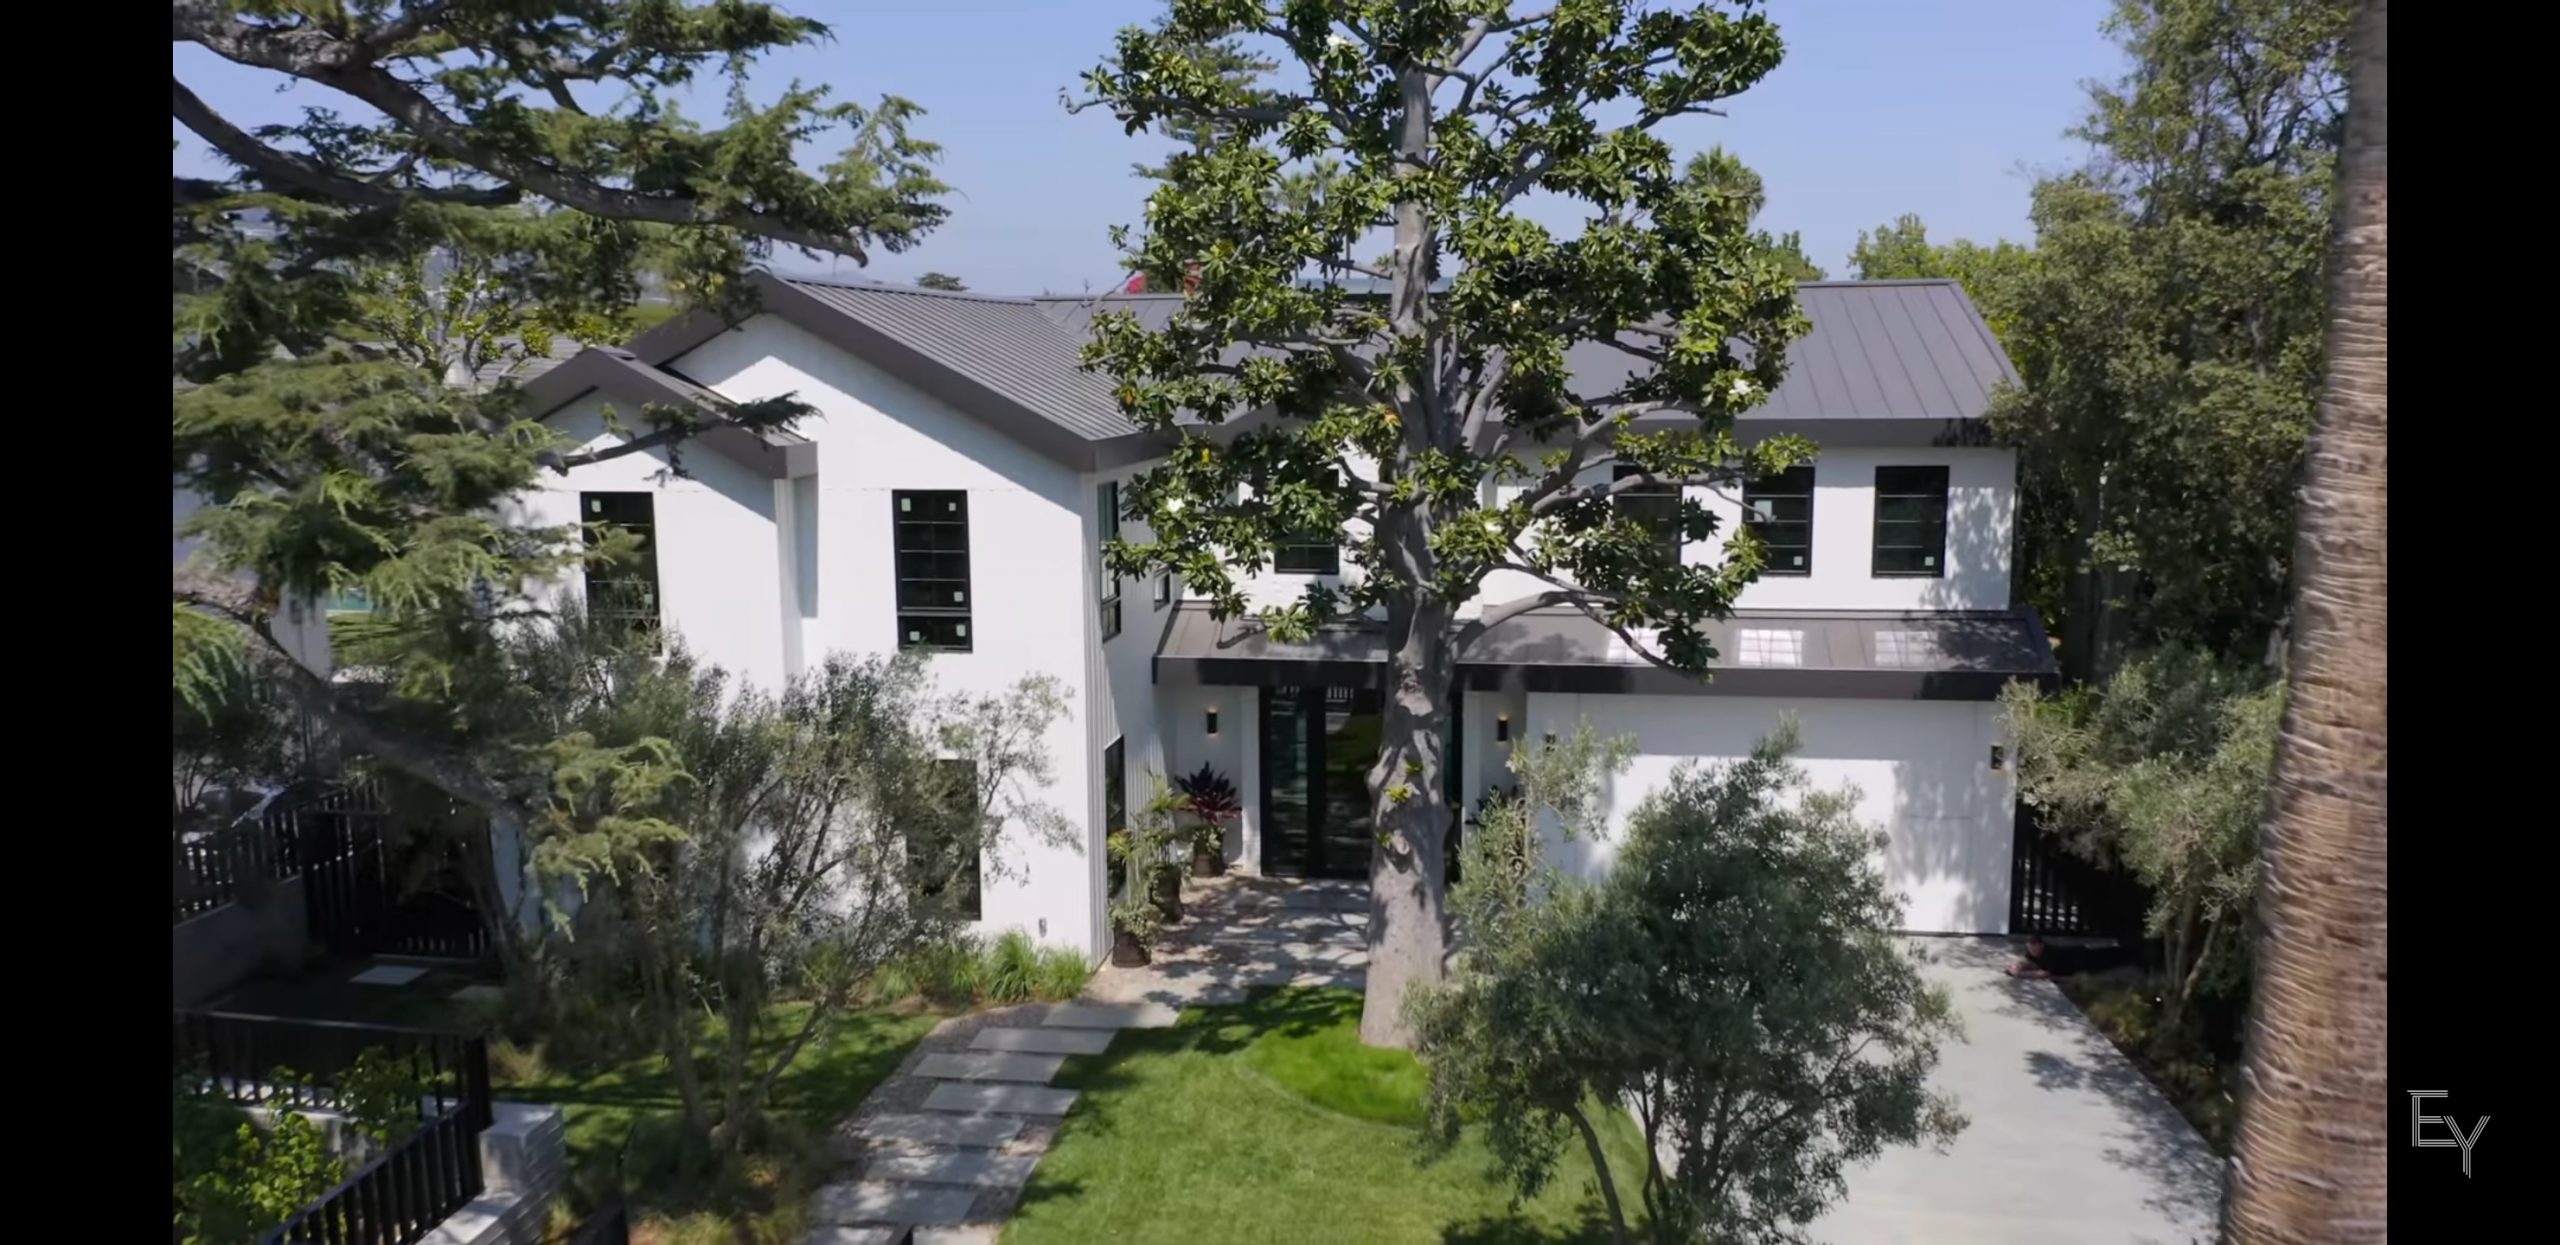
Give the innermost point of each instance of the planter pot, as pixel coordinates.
(1207, 862)
(1169, 896)
(1127, 951)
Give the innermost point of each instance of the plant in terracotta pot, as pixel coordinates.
(1209, 799)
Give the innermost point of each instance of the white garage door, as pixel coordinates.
(1922, 770)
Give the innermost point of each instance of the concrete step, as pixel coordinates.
(936, 1128)
(983, 1169)
(981, 1097)
(1110, 1016)
(890, 1202)
(1044, 1041)
(846, 1234)
(968, 1234)
(990, 1066)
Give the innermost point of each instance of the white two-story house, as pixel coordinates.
(959, 478)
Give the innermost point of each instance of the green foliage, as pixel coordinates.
(543, 136)
(2170, 332)
(1992, 275)
(1394, 412)
(1733, 978)
(2163, 771)
(233, 1185)
(381, 1094)
(1327, 1066)
(963, 970)
(1142, 850)
(1727, 174)
(1012, 968)
(940, 281)
(1210, 798)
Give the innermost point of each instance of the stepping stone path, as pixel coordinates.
(940, 1152)
(946, 1172)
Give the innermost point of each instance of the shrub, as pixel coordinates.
(1011, 971)
(1062, 974)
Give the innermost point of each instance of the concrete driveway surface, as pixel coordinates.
(2068, 1143)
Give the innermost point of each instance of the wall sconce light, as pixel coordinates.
(1551, 739)
(1999, 756)
(1502, 728)
(1213, 721)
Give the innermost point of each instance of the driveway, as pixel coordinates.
(2068, 1143)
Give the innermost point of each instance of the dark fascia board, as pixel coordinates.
(603, 371)
(1617, 680)
(1855, 433)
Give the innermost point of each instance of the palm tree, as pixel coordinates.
(2310, 1160)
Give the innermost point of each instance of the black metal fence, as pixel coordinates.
(290, 1064)
(401, 1195)
(2052, 891)
(366, 890)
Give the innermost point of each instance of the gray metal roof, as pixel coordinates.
(1941, 655)
(1006, 344)
(1914, 350)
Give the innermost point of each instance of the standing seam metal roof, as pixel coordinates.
(1004, 344)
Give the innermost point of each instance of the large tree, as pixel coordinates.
(2312, 1158)
(1990, 274)
(1428, 416)
(2169, 332)
(478, 177)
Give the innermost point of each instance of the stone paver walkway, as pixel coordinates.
(941, 1150)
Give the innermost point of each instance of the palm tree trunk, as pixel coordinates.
(2311, 1157)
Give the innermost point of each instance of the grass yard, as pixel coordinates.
(1268, 1121)
(623, 1116)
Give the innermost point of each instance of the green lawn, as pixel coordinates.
(1269, 1121)
(624, 1115)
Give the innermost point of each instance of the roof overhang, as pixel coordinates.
(620, 375)
(801, 310)
(1969, 656)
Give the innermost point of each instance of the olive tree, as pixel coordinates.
(1428, 416)
(1733, 981)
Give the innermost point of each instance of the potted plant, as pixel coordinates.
(1210, 799)
(1159, 833)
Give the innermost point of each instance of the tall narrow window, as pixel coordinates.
(1164, 590)
(1779, 510)
(1115, 786)
(942, 857)
(930, 531)
(1106, 509)
(1911, 521)
(1655, 506)
(623, 595)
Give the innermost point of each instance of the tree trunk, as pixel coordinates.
(2310, 1160)
(1409, 805)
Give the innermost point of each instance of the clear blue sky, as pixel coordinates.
(1947, 108)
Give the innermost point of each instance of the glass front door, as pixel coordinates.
(1317, 746)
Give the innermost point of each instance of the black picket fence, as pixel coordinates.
(403, 1194)
(2053, 892)
(295, 1064)
(366, 891)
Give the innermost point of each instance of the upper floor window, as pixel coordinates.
(1911, 521)
(1654, 506)
(623, 595)
(1164, 589)
(1107, 512)
(929, 529)
(1779, 510)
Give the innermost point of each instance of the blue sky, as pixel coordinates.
(1947, 108)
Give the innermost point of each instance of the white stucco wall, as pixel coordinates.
(1922, 769)
(1981, 508)
(767, 577)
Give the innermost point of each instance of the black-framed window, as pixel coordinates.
(1911, 522)
(943, 861)
(1115, 786)
(1655, 506)
(1106, 508)
(930, 530)
(624, 595)
(1779, 510)
(1164, 590)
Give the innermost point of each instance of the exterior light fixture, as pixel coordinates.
(1502, 728)
(1999, 756)
(1213, 721)
(1551, 739)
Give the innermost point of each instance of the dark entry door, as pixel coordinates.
(1317, 746)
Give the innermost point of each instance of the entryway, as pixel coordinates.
(1317, 746)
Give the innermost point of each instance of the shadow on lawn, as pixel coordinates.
(1509, 1230)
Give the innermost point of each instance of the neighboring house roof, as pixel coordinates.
(1885, 363)
(1941, 655)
